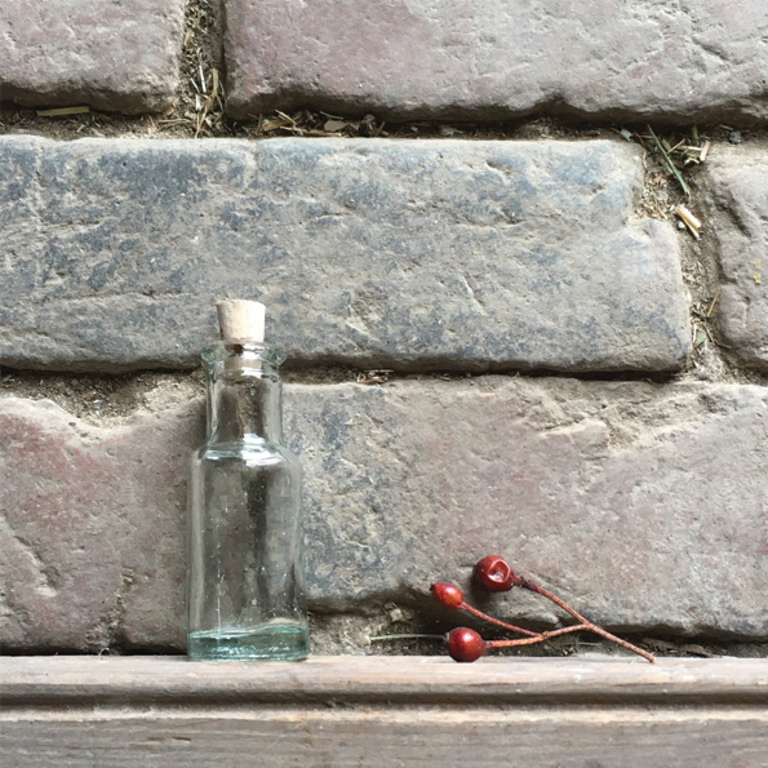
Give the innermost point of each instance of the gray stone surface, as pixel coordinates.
(115, 55)
(410, 254)
(738, 180)
(646, 505)
(645, 59)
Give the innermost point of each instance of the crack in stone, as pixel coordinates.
(109, 630)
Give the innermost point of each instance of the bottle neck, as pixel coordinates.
(244, 398)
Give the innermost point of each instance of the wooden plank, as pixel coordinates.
(370, 679)
(388, 736)
(380, 711)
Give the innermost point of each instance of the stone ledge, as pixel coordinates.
(426, 712)
(409, 254)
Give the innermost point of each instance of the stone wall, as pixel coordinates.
(501, 337)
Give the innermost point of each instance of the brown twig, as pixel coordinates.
(538, 639)
(586, 624)
(511, 627)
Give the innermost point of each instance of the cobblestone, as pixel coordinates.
(409, 254)
(738, 178)
(107, 54)
(645, 59)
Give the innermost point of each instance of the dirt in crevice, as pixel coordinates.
(103, 399)
(99, 399)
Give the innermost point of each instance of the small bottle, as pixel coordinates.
(245, 542)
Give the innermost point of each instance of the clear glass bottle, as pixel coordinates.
(245, 571)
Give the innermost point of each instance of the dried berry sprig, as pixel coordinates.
(494, 574)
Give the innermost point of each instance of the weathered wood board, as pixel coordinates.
(381, 711)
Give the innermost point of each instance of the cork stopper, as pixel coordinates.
(241, 320)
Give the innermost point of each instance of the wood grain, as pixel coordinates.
(380, 711)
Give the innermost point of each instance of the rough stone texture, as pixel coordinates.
(738, 180)
(90, 519)
(404, 254)
(638, 59)
(116, 55)
(647, 505)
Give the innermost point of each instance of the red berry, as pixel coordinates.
(447, 595)
(494, 574)
(465, 644)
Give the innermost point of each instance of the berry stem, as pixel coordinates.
(529, 585)
(585, 623)
(565, 630)
(531, 640)
(485, 617)
(623, 643)
(378, 638)
(586, 627)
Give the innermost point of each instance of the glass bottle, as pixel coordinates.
(245, 542)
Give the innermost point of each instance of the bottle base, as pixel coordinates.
(271, 642)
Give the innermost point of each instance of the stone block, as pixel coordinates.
(405, 254)
(738, 181)
(639, 60)
(113, 55)
(645, 505)
(93, 519)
